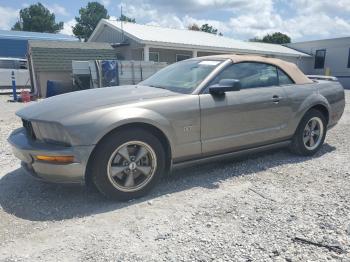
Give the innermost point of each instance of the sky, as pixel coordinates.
(302, 20)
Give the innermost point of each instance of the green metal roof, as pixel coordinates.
(57, 56)
(69, 44)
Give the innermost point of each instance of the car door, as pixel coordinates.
(253, 116)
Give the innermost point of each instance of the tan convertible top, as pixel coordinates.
(291, 69)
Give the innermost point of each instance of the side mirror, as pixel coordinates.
(225, 85)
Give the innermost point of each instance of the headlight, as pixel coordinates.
(51, 133)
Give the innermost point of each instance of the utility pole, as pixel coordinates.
(121, 21)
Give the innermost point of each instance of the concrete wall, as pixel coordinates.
(337, 55)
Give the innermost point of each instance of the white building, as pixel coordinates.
(329, 57)
(159, 44)
(153, 43)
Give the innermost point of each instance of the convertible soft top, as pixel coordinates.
(291, 69)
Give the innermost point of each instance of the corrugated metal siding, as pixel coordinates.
(109, 35)
(60, 59)
(13, 48)
(69, 44)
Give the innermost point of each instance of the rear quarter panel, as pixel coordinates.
(334, 93)
(303, 97)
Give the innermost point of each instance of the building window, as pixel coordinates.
(349, 59)
(180, 57)
(153, 56)
(320, 59)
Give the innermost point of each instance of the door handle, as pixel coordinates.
(276, 99)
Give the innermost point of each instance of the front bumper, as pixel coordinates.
(25, 149)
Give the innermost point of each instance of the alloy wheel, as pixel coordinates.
(132, 166)
(313, 133)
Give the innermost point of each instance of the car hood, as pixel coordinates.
(57, 107)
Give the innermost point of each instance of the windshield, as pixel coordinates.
(182, 77)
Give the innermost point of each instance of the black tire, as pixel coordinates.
(103, 153)
(297, 145)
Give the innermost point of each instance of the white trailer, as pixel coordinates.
(20, 69)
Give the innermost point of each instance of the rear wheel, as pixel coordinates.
(310, 134)
(128, 164)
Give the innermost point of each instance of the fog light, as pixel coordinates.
(56, 159)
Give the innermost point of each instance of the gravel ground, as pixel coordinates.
(249, 209)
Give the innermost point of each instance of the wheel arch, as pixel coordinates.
(313, 101)
(323, 109)
(139, 125)
(319, 106)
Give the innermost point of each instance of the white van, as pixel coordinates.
(19, 67)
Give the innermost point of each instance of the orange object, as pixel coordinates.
(57, 159)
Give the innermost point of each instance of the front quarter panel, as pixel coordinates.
(177, 117)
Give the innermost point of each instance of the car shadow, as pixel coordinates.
(29, 199)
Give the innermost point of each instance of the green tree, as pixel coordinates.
(126, 19)
(88, 20)
(209, 29)
(275, 38)
(37, 18)
(204, 28)
(194, 27)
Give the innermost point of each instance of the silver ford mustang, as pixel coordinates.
(123, 139)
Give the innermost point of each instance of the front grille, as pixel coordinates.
(29, 129)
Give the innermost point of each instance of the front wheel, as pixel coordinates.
(128, 164)
(310, 134)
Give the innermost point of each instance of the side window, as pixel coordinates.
(251, 75)
(320, 58)
(284, 79)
